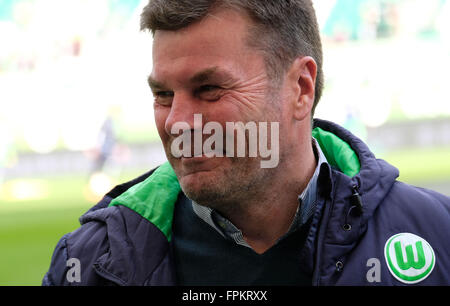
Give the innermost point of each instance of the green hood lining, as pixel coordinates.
(154, 198)
(339, 154)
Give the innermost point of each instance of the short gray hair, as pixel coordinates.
(283, 29)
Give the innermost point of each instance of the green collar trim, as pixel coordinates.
(154, 198)
(339, 154)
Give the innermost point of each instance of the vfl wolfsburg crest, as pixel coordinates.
(410, 258)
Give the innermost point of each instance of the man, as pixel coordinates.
(326, 213)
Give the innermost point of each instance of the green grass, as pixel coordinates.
(28, 241)
(29, 230)
(421, 165)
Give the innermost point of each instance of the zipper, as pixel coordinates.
(356, 204)
(320, 237)
(356, 200)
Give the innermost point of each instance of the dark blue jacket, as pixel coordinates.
(368, 229)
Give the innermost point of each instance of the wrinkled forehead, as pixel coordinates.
(225, 24)
(218, 40)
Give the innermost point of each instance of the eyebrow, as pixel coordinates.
(213, 74)
(208, 74)
(154, 84)
(203, 75)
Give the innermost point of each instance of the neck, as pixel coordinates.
(267, 216)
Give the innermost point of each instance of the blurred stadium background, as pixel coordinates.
(76, 115)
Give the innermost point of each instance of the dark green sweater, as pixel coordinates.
(222, 262)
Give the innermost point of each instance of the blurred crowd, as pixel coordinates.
(60, 72)
(380, 19)
(38, 31)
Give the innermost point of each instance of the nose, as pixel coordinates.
(181, 115)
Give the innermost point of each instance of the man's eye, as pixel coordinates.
(209, 92)
(164, 94)
(163, 97)
(208, 88)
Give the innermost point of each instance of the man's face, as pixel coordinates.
(208, 69)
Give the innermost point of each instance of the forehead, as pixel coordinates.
(218, 40)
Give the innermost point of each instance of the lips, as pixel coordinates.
(202, 157)
(191, 165)
(211, 153)
(208, 153)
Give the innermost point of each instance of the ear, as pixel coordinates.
(302, 78)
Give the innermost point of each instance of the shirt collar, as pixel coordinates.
(307, 203)
(308, 197)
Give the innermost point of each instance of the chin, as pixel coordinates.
(202, 187)
(196, 182)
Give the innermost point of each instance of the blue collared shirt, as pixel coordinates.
(307, 203)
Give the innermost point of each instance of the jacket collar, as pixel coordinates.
(335, 208)
(375, 177)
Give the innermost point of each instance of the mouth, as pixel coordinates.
(204, 154)
(201, 157)
(197, 164)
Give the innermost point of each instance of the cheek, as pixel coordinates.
(241, 108)
(161, 114)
